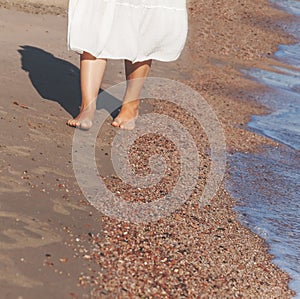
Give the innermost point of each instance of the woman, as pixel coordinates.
(137, 31)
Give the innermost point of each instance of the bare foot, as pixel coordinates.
(127, 117)
(84, 120)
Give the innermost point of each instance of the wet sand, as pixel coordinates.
(53, 243)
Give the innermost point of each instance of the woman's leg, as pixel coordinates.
(91, 75)
(129, 110)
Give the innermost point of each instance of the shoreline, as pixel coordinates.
(227, 92)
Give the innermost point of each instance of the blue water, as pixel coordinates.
(267, 184)
(283, 124)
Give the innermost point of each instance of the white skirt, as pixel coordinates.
(136, 30)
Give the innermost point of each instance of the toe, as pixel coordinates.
(116, 122)
(70, 122)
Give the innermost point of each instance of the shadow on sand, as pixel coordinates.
(58, 80)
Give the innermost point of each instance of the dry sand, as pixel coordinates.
(57, 7)
(54, 244)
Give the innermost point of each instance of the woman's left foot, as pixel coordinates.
(127, 117)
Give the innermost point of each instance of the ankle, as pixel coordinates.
(88, 107)
(131, 105)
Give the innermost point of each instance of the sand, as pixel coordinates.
(54, 244)
(57, 7)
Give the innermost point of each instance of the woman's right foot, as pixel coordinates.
(84, 120)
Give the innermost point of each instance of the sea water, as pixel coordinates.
(267, 184)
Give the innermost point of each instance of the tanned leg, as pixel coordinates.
(130, 107)
(91, 75)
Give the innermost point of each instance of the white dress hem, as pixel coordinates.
(136, 30)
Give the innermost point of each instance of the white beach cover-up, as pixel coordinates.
(136, 30)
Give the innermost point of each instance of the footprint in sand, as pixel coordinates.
(38, 136)
(19, 231)
(22, 151)
(11, 184)
(10, 274)
(46, 170)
